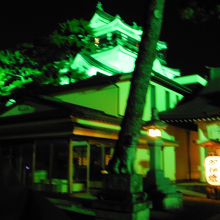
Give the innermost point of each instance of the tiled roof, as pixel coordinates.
(204, 106)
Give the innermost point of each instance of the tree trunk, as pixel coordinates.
(124, 154)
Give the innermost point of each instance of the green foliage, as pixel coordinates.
(16, 70)
(197, 11)
(73, 34)
(46, 60)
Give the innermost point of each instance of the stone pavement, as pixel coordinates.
(196, 205)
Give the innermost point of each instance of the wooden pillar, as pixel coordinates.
(70, 166)
(20, 165)
(102, 157)
(188, 154)
(88, 168)
(34, 161)
(50, 169)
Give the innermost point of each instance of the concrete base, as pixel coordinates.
(161, 191)
(122, 198)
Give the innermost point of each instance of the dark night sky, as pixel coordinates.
(190, 47)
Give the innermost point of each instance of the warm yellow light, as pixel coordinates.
(96, 41)
(212, 170)
(154, 132)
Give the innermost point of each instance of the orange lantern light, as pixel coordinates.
(212, 170)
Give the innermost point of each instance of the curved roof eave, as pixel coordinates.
(89, 59)
(117, 24)
(104, 15)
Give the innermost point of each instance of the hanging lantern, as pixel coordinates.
(212, 170)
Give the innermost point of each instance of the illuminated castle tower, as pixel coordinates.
(117, 47)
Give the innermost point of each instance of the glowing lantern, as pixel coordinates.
(155, 125)
(154, 132)
(212, 170)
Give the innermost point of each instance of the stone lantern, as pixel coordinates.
(159, 188)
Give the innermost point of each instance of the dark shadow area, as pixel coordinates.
(20, 202)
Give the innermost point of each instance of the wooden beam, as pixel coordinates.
(88, 168)
(70, 166)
